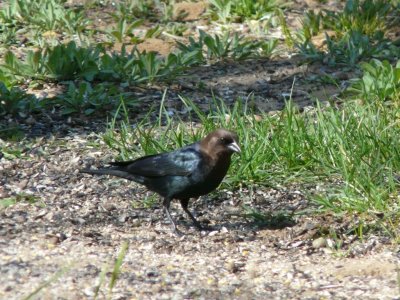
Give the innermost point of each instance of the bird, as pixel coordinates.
(189, 172)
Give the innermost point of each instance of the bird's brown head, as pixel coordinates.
(220, 142)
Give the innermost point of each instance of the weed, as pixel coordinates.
(150, 200)
(286, 31)
(84, 99)
(222, 9)
(240, 10)
(11, 132)
(147, 67)
(311, 24)
(194, 48)
(14, 100)
(176, 29)
(358, 33)
(381, 81)
(132, 9)
(166, 9)
(8, 35)
(6, 202)
(226, 46)
(47, 15)
(62, 62)
(123, 30)
(365, 16)
(70, 62)
(153, 32)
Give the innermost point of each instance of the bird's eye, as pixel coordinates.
(225, 141)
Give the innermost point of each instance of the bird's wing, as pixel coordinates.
(180, 163)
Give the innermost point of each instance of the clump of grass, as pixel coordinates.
(6, 202)
(44, 15)
(240, 10)
(86, 99)
(380, 81)
(14, 101)
(73, 62)
(208, 48)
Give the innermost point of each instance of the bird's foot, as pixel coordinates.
(202, 227)
(177, 232)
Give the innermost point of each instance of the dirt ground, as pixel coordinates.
(77, 225)
(68, 228)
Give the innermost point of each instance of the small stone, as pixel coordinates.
(231, 266)
(20, 219)
(330, 243)
(319, 243)
(212, 233)
(78, 221)
(40, 214)
(22, 184)
(30, 120)
(109, 206)
(122, 218)
(54, 240)
(136, 223)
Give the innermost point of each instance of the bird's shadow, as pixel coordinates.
(244, 222)
(270, 220)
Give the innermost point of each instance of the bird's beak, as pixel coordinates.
(234, 147)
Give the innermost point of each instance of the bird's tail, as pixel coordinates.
(113, 172)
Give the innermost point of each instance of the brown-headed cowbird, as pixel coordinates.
(191, 171)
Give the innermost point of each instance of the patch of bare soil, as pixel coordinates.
(263, 84)
(155, 45)
(189, 11)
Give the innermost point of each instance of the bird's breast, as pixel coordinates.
(206, 177)
(204, 181)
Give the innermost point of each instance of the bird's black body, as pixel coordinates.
(189, 172)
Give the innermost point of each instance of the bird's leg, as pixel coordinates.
(184, 204)
(166, 203)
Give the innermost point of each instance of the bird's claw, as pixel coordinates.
(178, 233)
(204, 228)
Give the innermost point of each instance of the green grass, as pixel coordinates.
(360, 29)
(14, 101)
(114, 274)
(380, 81)
(6, 202)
